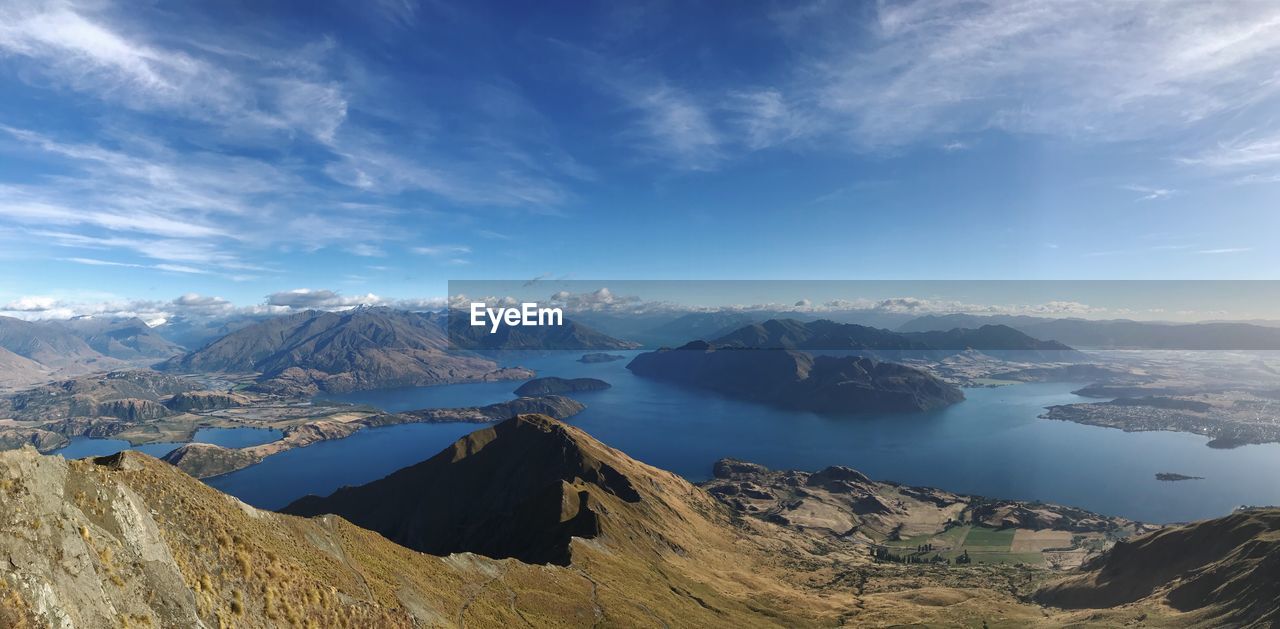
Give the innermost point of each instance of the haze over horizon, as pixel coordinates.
(236, 153)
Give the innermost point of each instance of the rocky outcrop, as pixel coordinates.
(205, 401)
(560, 386)
(39, 438)
(798, 380)
(131, 409)
(204, 460)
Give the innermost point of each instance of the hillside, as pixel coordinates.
(55, 349)
(1216, 573)
(127, 537)
(19, 371)
(798, 380)
(123, 339)
(364, 348)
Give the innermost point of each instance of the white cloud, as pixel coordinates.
(1225, 250)
(320, 299)
(442, 250)
(366, 250)
(30, 304)
(1151, 194)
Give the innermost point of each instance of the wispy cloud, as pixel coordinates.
(1225, 250)
(174, 268)
(1148, 193)
(1096, 69)
(442, 250)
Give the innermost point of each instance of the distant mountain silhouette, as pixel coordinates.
(829, 335)
(122, 338)
(1118, 333)
(569, 335)
(54, 348)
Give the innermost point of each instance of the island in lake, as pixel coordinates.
(1170, 476)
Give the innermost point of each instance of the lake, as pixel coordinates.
(238, 437)
(991, 444)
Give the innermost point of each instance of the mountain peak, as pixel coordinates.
(524, 488)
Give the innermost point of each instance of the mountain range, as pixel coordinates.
(363, 348)
(1117, 333)
(617, 543)
(999, 340)
(32, 352)
(570, 335)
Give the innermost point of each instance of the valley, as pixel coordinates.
(830, 545)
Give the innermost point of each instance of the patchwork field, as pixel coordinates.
(1001, 546)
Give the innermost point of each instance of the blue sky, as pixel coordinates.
(237, 152)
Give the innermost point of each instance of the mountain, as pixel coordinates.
(822, 334)
(570, 335)
(128, 540)
(120, 394)
(120, 338)
(196, 332)
(1216, 573)
(697, 325)
(363, 348)
(997, 340)
(55, 348)
(798, 380)
(1118, 333)
(557, 485)
(19, 371)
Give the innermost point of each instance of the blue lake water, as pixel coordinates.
(239, 437)
(991, 444)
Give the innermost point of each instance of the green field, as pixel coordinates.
(984, 545)
(982, 539)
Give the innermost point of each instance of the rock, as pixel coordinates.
(203, 460)
(132, 409)
(205, 401)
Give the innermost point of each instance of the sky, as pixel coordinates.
(191, 155)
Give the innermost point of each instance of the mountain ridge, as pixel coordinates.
(363, 348)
